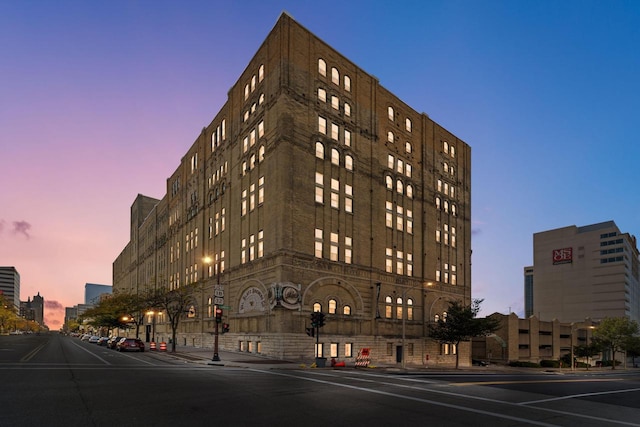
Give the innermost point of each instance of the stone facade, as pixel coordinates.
(532, 340)
(313, 188)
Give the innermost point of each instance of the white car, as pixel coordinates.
(94, 339)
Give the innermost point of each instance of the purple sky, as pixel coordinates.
(99, 101)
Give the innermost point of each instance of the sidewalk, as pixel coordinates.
(251, 360)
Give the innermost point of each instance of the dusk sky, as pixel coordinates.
(100, 100)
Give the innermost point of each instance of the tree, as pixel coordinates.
(175, 303)
(586, 351)
(461, 324)
(118, 311)
(614, 333)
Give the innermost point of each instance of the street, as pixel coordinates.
(54, 380)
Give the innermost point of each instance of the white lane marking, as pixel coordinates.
(459, 395)
(573, 396)
(91, 353)
(415, 399)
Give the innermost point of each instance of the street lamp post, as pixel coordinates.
(217, 313)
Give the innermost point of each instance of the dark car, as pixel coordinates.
(113, 341)
(102, 341)
(130, 344)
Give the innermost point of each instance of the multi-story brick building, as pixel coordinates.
(313, 188)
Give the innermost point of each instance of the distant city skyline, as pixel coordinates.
(545, 94)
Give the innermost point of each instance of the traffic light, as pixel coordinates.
(311, 332)
(225, 328)
(218, 315)
(320, 319)
(317, 319)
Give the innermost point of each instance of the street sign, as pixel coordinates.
(218, 293)
(218, 301)
(226, 307)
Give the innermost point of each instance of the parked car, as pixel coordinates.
(102, 341)
(113, 341)
(94, 339)
(85, 337)
(130, 344)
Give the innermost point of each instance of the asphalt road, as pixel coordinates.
(53, 380)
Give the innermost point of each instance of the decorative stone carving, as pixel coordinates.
(285, 295)
(252, 300)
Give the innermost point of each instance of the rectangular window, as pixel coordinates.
(252, 197)
(261, 190)
(318, 348)
(388, 260)
(319, 188)
(261, 129)
(322, 95)
(243, 210)
(333, 250)
(335, 193)
(409, 221)
(390, 161)
(399, 218)
(335, 129)
(260, 244)
(348, 198)
(399, 262)
(322, 125)
(318, 243)
(243, 251)
(335, 103)
(347, 138)
(348, 350)
(389, 349)
(252, 138)
(348, 250)
(409, 264)
(334, 349)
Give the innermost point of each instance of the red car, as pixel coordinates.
(130, 344)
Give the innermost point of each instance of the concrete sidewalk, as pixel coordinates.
(238, 359)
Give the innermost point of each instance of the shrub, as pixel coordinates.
(550, 363)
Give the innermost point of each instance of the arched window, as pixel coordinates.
(333, 305)
(387, 309)
(409, 309)
(445, 147)
(346, 310)
(317, 307)
(438, 202)
(436, 318)
(335, 156)
(261, 72)
(347, 83)
(348, 162)
(398, 308)
(407, 125)
(407, 147)
(390, 137)
(444, 316)
(389, 182)
(335, 76)
(261, 99)
(319, 150)
(390, 113)
(246, 91)
(253, 83)
(322, 67)
(261, 153)
(399, 187)
(409, 191)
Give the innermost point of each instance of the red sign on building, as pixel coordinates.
(562, 256)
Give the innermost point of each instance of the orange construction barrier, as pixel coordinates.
(152, 345)
(163, 346)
